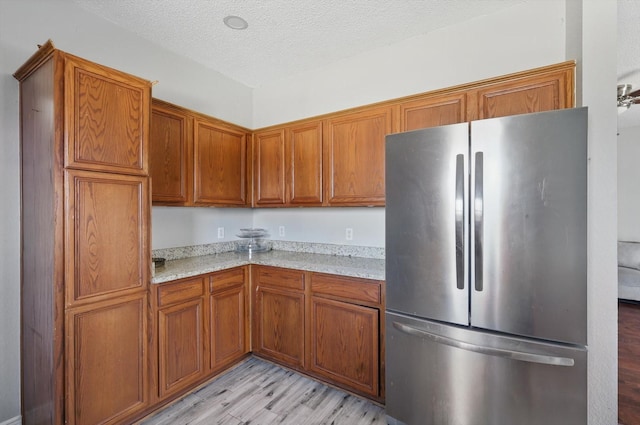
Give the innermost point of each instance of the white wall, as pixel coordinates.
(23, 25)
(515, 39)
(628, 188)
(597, 40)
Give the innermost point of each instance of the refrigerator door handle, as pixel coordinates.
(478, 213)
(459, 211)
(490, 351)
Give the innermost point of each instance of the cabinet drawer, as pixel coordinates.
(183, 290)
(346, 287)
(226, 279)
(280, 278)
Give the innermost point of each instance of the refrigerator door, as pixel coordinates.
(426, 179)
(528, 230)
(450, 375)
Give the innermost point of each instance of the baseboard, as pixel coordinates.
(13, 421)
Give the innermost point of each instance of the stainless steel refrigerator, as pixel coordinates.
(486, 272)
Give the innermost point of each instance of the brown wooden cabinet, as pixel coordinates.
(330, 328)
(181, 335)
(269, 168)
(107, 361)
(229, 322)
(542, 90)
(85, 241)
(198, 160)
(432, 111)
(279, 315)
(106, 118)
(354, 157)
(170, 141)
(288, 166)
(346, 341)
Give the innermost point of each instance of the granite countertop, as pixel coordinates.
(367, 268)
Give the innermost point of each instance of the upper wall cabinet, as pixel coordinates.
(535, 91)
(432, 111)
(171, 136)
(197, 160)
(288, 166)
(219, 164)
(354, 157)
(106, 119)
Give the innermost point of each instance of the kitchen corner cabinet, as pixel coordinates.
(288, 166)
(85, 241)
(279, 315)
(354, 157)
(326, 326)
(198, 160)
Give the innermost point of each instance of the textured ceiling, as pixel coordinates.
(285, 37)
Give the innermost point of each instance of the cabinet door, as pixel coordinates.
(106, 361)
(534, 93)
(227, 326)
(354, 157)
(220, 165)
(107, 238)
(181, 345)
(304, 164)
(269, 168)
(168, 163)
(345, 344)
(106, 118)
(433, 111)
(279, 331)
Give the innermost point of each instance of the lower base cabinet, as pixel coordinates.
(324, 325)
(107, 361)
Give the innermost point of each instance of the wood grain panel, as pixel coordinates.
(107, 118)
(226, 279)
(42, 257)
(279, 277)
(269, 168)
(220, 165)
(279, 325)
(107, 234)
(227, 326)
(347, 288)
(345, 345)
(628, 363)
(433, 111)
(181, 345)
(354, 157)
(182, 290)
(171, 133)
(107, 359)
(304, 159)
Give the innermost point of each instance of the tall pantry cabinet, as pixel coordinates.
(85, 241)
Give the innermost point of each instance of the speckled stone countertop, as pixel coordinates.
(368, 268)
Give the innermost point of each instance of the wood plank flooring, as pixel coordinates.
(261, 393)
(628, 363)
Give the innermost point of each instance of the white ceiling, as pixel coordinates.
(287, 37)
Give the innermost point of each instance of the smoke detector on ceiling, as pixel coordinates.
(235, 22)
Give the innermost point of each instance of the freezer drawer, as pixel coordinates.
(444, 375)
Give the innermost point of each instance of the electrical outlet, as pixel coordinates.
(281, 231)
(220, 232)
(348, 234)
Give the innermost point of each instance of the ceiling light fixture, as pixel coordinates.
(235, 22)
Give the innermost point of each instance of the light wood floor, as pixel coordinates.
(261, 393)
